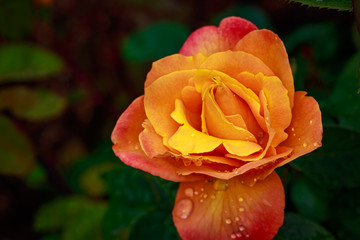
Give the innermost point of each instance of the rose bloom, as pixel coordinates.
(219, 117)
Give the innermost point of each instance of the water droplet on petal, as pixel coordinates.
(237, 219)
(213, 197)
(238, 234)
(315, 144)
(129, 142)
(241, 228)
(183, 208)
(241, 209)
(228, 221)
(311, 121)
(136, 147)
(205, 196)
(189, 192)
(293, 129)
(196, 193)
(233, 235)
(304, 145)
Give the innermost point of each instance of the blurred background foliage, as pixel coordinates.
(69, 68)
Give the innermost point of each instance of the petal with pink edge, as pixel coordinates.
(219, 209)
(210, 39)
(127, 147)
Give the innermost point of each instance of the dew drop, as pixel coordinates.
(183, 208)
(202, 189)
(136, 147)
(241, 228)
(304, 145)
(241, 209)
(247, 235)
(233, 235)
(237, 219)
(228, 221)
(205, 196)
(315, 144)
(293, 129)
(129, 142)
(238, 234)
(189, 192)
(201, 200)
(220, 185)
(196, 193)
(193, 135)
(212, 197)
(241, 199)
(311, 121)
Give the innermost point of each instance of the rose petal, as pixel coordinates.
(278, 104)
(210, 39)
(151, 142)
(233, 63)
(268, 47)
(259, 167)
(305, 131)
(127, 147)
(219, 126)
(160, 98)
(225, 210)
(172, 63)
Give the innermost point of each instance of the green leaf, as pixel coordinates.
(86, 225)
(345, 219)
(155, 225)
(345, 100)
(154, 42)
(332, 4)
(297, 227)
(21, 62)
(16, 18)
(17, 154)
(40, 104)
(322, 37)
(132, 196)
(310, 199)
(77, 218)
(91, 181)
(103, 157)
(336, 164)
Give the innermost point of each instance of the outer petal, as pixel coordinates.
(222, 210)
(210, 39)
(257, 169)
(127, 147)
(305, 131)
(267, 46)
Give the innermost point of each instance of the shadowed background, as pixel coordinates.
(69, 68)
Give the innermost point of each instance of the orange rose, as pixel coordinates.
(220, 117)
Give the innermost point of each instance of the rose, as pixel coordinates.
(220, 117)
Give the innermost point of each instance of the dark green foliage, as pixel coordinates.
(297, 227)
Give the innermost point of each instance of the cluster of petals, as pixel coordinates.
(219, 117)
